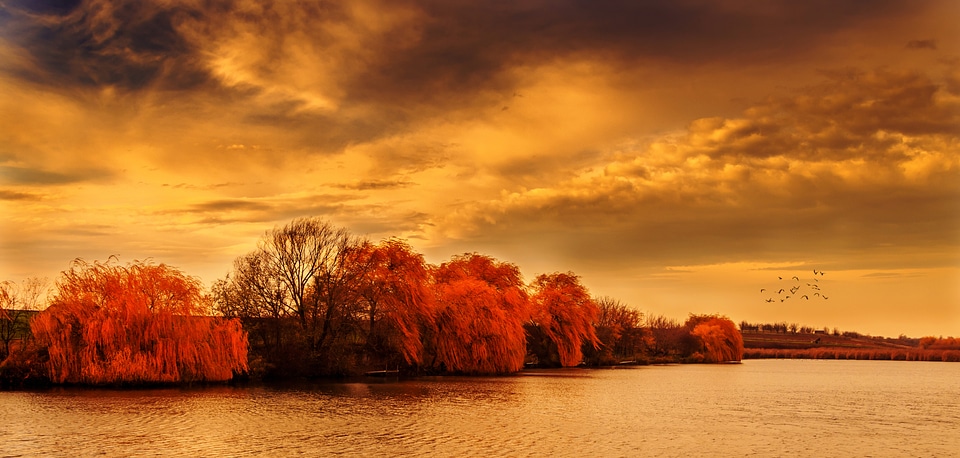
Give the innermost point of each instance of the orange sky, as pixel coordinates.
(678, 155)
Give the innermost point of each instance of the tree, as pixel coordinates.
(719, 339)
(300, 293)
(399, 300)
(621, 333)
(17, 303)
(669, 336)
(139, 323)
(481, 308)
(564, 310)
(308, 258)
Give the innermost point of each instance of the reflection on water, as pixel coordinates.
(760, 407)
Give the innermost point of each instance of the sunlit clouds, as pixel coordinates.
(618, 141)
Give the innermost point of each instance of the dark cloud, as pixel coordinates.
(56, 7)
(6, 194)
(846, 117)
(31, 176)
(267, 209)
(445, 54)
(230, 205)
(463, 46)
(922, 44)
(375, 185)
(128, 44)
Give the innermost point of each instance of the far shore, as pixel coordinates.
(821, 345)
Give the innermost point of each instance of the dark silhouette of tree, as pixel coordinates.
(481, 308)
(670, 338)
(18, 302)
(139, 323)
(300, 294)
(564, 310)
(621, 333)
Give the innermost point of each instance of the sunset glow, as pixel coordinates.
(677, 156)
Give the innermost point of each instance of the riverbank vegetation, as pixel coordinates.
(313, 300)
(793, 341)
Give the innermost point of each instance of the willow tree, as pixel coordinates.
(481, 308)
(719, 339)
(398, 299)
(565, 312)
(139, 323)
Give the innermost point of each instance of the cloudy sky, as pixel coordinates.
(677, 155)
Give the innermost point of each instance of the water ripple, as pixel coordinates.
(759, 408)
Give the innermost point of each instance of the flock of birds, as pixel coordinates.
(787, 292)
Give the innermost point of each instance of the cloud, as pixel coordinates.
(127, 45)
(6, 194)
(33, 176)
(922, 44)
(367, 185)
(864, 166)
(342, 73)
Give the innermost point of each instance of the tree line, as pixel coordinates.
(314, 300)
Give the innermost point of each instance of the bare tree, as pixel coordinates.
(17, 303)
(308, 271)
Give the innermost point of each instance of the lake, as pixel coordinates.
(758, 408)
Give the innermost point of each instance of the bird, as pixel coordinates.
(769, 299)
(816, 294)
(781, 291)
(825, 297)
(796, 278)
(779, 278)
(763, 289)
(805, 297)
(814, 271)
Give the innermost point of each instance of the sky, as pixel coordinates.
(678, 156)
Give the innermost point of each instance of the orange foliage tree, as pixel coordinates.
(398, 298)
(719, 338)
(481, 308)
(565, 312)
(140, 323)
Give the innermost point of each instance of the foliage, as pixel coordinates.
(621, 333)
(140, 323)
(18, 302)
(671, 340)
(481, 308)
(942, 343)
(399, 300)
(565, 312)
(720, 340)
(299, 293)
(884, 354)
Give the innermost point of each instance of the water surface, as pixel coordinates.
(758, 408)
